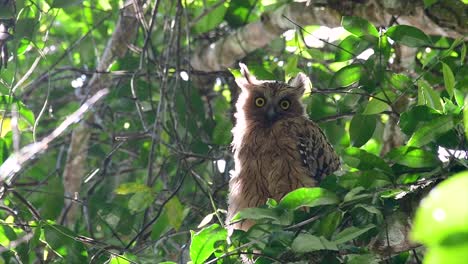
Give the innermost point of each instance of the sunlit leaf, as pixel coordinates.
(427, 96)
(347, 75)
(203, 242)
(408, 35)
(131, 187)
(359, 26)
(377, 104)
(212, 19)
(307, 197)
(442, 214)
(430, 131)
(349, 47)
(413, 158)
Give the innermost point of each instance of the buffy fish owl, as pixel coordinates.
(277, 149)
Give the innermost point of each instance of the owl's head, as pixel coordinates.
(269, 101)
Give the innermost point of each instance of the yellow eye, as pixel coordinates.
(259, 101)
(285, 104)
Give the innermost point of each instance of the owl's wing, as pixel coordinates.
(317, 153)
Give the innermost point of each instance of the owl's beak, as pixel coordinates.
(271, 114)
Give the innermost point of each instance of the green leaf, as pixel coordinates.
(4, 153)
(465, 117)
(363, 160)
(362, 259)
(62, 241)
(307, 197)
(359, 26)
(400, 81)
(349, 47)
(65, 3)
(222, 132)
(160, 226)
(443, 212)
(238, 12)
(408, 35)
(305, 242)
(203, 242)
(411, 119)
(131, 187)
(430, 131)
(140, 201)
(361, 129)
(429, 3)
(427, 96)
(446, 255)
(7, 234)
(347, 75)
(449, 79)
(351, 233)
(257, 214)
(329, 223)
(176, 210)
(351, 195)
(210, 20)
(376, 106)
(413, 158)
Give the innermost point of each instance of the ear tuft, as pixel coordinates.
(299, 82)
(248, 78)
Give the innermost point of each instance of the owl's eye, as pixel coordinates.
(285, 104)
(259, 101)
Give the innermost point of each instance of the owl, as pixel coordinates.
(277, 149)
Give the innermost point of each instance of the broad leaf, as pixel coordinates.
(431, 131)
(359, 26)
(449, 79)
(308, 243)
(347, 75)
(363, 160)
(307, 197)
(351, 233)
(349, 47)
(408, 35)
(427, 96)
(442, 213)
(361, 129)
(413, 158)
(203, 242)
(212, 19)
(377, 103)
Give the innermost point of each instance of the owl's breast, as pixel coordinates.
(269, 160)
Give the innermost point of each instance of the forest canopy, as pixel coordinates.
(116, 118)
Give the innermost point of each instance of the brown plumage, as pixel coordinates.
(277, 149)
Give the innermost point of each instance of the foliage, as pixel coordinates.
(158, 159)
